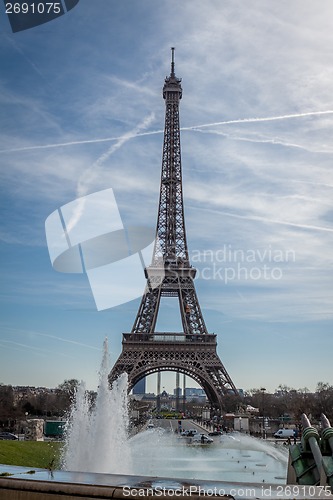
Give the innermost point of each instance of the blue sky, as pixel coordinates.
(81, 104)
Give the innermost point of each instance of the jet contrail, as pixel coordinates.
(264, 119)
(66, 340)
(87, 178)
(264, 219)
(11, 40)
(32, 332)
(153, 132)
(33, 348)
(76, 143)
(275, 141)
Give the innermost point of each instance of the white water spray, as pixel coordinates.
(97, 438)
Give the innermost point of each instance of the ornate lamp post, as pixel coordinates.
(263, 412)
(240, 424)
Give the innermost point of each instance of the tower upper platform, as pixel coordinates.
(172, 83)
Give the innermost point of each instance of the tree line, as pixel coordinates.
(20, 403)
(285, 403)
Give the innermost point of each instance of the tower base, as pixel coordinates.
(192, 355)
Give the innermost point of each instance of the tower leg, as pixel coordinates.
(177, 391)
(158, 399)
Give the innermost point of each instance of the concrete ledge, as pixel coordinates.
(40, 484)
(24, 489)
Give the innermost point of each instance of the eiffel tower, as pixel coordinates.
(192, 351)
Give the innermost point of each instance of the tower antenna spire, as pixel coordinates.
(172, 61)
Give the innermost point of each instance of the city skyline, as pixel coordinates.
(83, 112)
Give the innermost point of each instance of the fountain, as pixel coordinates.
(97, 441)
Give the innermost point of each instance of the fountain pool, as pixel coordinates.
(236, 458)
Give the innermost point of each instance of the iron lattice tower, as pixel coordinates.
(193, 351)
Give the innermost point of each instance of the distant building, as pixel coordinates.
(239, 391)
(22, 392)
(140, 387)
(149, 396)
(177, 392)
(194, 392)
